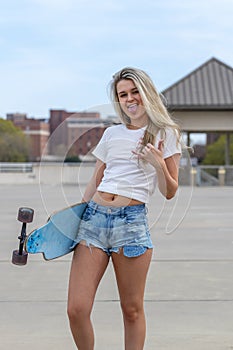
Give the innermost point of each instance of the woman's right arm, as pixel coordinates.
(95, 181)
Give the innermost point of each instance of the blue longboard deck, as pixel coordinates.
(57, 237)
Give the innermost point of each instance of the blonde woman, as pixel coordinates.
(131, 159)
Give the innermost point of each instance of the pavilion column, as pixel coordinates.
(188, 138)
(227, 149)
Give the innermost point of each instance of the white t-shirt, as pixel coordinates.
(124, 174)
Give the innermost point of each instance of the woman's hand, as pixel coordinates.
(152, 155)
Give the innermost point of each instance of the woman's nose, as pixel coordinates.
(129, 97)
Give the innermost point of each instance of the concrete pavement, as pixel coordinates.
(189, 294)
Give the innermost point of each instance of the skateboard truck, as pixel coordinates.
(19, 257)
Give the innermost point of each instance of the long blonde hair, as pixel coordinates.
(158, 117)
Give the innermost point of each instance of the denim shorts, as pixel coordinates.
(114, 228)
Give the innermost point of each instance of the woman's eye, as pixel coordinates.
(123, 95)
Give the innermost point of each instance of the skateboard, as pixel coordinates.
(54, 239)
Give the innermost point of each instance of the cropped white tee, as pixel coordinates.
(124, 174)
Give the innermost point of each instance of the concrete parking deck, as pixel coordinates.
(189, 294)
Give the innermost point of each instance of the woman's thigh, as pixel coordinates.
(87, 269)
(131, 276)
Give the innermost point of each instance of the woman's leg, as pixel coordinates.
(88, 267)
(131, 279)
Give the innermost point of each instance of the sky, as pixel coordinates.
(61, 54)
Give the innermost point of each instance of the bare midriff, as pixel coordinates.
(115, 200)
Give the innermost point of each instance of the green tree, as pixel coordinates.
(72, 156)
(13, 143)
(215, 154)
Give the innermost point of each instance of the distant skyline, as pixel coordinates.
(61, 54)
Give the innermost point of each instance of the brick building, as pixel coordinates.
(74, 133)
(37, 131)
(64, 134)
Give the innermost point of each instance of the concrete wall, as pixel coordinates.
(53, 173)
(64, 173)
(73, 174)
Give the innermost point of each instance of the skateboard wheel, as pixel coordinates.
(25, 215)
(18, 259)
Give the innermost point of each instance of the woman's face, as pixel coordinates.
(131, 102)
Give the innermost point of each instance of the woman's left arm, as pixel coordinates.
(167, 173)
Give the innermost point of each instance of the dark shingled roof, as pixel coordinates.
(210, 86)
